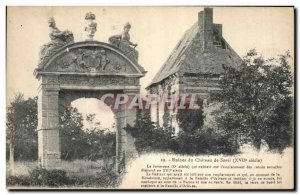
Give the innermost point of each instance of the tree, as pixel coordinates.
(21, 124)
(102, 142)
(72, 135)
(90, 143)
(255, 100)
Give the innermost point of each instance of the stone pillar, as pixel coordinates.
(125, 148)
(48, 126)
(131, 114)
(120, 116)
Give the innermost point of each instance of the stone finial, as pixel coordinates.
(91, 26)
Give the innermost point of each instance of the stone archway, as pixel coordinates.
(84, 69)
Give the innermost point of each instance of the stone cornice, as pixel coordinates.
(88, 74)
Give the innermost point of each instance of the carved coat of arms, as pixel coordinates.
(84, 60)
(93, 60)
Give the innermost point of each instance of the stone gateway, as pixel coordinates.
(87, 69)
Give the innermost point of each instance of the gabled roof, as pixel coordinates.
(189, 56)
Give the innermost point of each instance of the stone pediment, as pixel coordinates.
(90, 57)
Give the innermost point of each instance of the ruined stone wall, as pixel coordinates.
(201, 85)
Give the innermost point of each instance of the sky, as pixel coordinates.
(156, 30)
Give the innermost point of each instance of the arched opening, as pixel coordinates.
(88, 137)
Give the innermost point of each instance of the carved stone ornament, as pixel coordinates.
(58, 40)
(123, 42)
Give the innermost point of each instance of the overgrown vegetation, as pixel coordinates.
(191, 139)
(195, 138)
(256, 101)
(148, 136)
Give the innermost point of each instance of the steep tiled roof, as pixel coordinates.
(190, 57)
(172, 65)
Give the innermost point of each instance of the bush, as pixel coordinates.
(204, 141)
(48, 177)
(18, 181)
(149, 137)
(157, 139)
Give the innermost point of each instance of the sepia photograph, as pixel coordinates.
(150, 98)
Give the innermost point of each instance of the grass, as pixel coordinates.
(73, 168)
(78, 174)
(22, 168)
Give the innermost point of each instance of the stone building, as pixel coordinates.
(194, 66)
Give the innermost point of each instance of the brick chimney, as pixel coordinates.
(205, 23)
